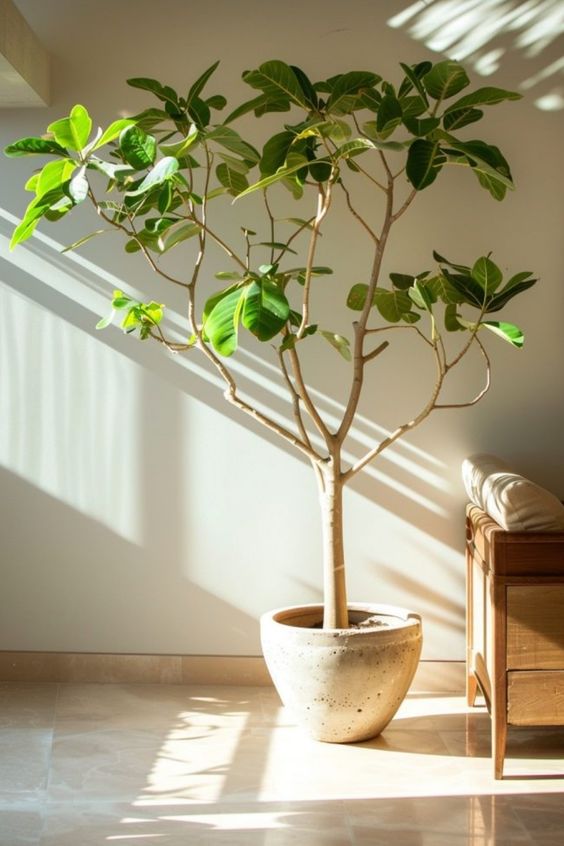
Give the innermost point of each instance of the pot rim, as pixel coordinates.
(281, 616)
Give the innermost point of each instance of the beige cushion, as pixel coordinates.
(516, 503)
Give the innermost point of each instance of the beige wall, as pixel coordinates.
(139, 513)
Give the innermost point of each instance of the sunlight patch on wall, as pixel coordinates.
(487, 33)
(59, 397)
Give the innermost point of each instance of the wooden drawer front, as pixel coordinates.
(535, 698)
(535, 627)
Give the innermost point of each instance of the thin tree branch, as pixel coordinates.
(356, 214)
(380, 349)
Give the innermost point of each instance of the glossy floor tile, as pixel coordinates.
(86, 764)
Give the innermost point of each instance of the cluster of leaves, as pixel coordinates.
(138, 315)
(455, 285)
(316, 147)
(153, 193)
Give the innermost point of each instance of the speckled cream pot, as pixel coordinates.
(342, 685)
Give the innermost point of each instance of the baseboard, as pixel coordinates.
(431, 676)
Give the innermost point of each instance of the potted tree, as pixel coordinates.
(159, 177)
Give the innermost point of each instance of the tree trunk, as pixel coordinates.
(335, 614)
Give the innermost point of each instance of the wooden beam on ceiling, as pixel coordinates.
(24, 62)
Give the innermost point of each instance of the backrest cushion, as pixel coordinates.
(514, 502)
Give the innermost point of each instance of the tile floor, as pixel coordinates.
(164, 765)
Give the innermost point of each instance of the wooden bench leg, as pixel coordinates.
(499, 741)
(471, 688)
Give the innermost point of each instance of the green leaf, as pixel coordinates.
(306, 86)
(198, 86)
(402, 281)
(34, 147)
(280, 174)
(275, 151)
(180, 147)
(84, 240)
(414, 74)
(353, 148)
(278, 81)
(392, 305)
(347, 88)
(163, 92)
(421, 126)
(232, 141)
(54, 175)
(105, 321)
(112, 132)
(73, 131)
(265, 309)
(228, 275)
(452, 323)
(176, 233)
(138, 148)
(357, 296)
(516, 285)
(487, 96)
(487, 274)
(163, 170)
(424, 161)
(421, 296)
(112, 171)
(461, 117)
(78, 186)
(340, 343)
(252, 106)
(389, 116)
(234, 164)
(33, 214)
(445, 79)
(235, 182)
(222, 314)
(508, 331)
(496, 188)
(468, 289)
(217, 102)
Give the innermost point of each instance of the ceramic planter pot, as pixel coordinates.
(342, 685)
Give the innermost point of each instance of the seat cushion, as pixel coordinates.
(514, 502)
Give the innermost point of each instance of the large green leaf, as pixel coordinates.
(53, 175)
(306, 86)
(347, 87)
(470, 291)
(231, 140)
(231, 179)
(445, 79)
(265, 309)
(198, 86)
(458, 118)
(280, 174)
(163, 170)
(353, 148)
(518, 283)
(389, 116)
(34, 147)
(487, 274)
(392, 305)
(275, 151)
(508, 331)
(221, 322)
(420, 126)
(112, 132)
(33, 214)
(163, 92)
(138, 148)
(179, 148)
(278, 81)
(73, 131)
(483, 158)
(414, 74)
(487, 96)
(424, 161)
(180, 231)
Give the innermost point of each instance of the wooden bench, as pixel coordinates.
(515, 626)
